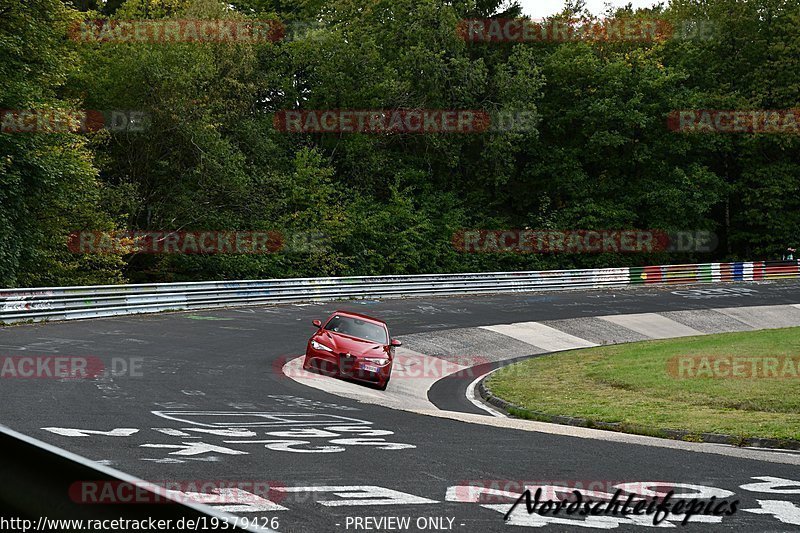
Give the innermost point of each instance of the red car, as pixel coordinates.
(354, 346)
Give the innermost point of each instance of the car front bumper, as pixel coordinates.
(352, 366)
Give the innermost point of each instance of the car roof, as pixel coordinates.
(359, 315)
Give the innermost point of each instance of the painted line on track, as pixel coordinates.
(477, 402)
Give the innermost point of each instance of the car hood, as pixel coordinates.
(344, 344)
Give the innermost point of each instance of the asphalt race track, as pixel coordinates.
(201, 396)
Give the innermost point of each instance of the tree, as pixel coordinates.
(48, 185)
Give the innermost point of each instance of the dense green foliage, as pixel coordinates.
(600, 155)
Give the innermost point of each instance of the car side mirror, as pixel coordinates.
(317, 323)
(395, 342)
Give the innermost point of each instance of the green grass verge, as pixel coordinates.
(631, 384)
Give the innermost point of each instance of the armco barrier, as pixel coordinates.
(38, 485)
(64, 303)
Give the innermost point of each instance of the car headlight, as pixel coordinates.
(381, 361)
(318, 346)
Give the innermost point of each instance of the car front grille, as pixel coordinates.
(347, 366)
(346, 363)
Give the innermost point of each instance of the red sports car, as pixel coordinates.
(354, 346)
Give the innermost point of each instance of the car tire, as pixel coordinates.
(385, 384)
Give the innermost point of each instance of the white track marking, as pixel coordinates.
(652, 325)
(245, 419)
(765, 317)
(786, 512)
(773, 485)
(195, 448)
(70, 432)
(473, 397)
(541, 336)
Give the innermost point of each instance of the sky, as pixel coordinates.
(544, 8)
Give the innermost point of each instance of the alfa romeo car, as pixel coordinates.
(354, 346)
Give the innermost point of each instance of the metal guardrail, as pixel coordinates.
(65, 303)
(39, 486)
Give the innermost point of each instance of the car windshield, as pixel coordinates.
(356, 327)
